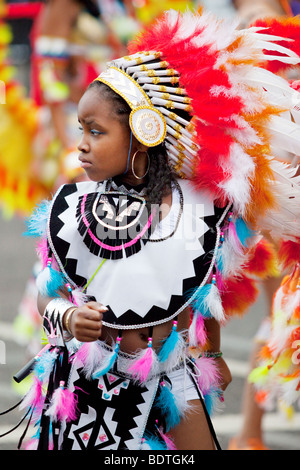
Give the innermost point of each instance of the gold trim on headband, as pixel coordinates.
(113, 82)
(147, 123)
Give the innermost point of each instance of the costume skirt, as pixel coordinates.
(111, 411)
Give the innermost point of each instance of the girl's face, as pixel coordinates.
(105, 141)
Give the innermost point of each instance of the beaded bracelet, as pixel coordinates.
(215, 355)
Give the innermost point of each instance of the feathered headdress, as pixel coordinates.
(225, 118)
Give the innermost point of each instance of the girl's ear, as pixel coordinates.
(141, 147)
(137, 146)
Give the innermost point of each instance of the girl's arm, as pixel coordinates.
(85, 322)
(214, 346)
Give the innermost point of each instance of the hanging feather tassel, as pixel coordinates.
(79, 297)
(168, 441)
(212, 301)
(243, 232)
(32, 444)
(37, 222)
(43, 251)
(233, 238)
(166, 402)
(91, 355)
(34, 396)
(109, 361)
(63, 405)
(49, 281)
(207, 301)
(151, 442)
(197, 331)
(45, 364)
(146, 363)
(228, 261)
(50, 442)
(238, 235)
(212, 400)
(209, 375)
(172, 348)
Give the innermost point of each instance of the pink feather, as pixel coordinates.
(32, 444)
(33, 397)
(169, 443)
(91, 356)
(42, 251)
(146, 363)
(79, 297)
(209, 375)
(197, 331)
(63, 405)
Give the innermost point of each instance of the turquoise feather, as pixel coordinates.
(167, 404)
(37, 223)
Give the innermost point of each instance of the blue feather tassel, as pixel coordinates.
(167, 404)
(37, 223)
(154, 443)
(211, 399)
(172, 347)
(199, 304)
(108, 362)
(45, 364)
(49, 281)
(243, 231)
(168, 346)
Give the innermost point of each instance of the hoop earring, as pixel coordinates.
(132, 166)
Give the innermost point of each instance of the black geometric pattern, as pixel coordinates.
(112, 413)
(129, 316)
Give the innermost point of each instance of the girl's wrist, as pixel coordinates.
(213, 354)
(67, 319)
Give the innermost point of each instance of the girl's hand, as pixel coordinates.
(85, 322)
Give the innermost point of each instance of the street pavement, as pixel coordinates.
(17, 256)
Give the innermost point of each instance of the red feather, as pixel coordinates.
(287, 28)
(289, 253)
(238, 295)
(263, 260)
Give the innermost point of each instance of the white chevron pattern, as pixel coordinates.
(125, 86)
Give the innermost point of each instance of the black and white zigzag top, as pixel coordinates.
(145, 286)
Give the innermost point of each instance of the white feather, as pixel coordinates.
(237, 187)
(284, 134)
(91, 355)
(232, 262)
(255, 33)
(266, 80)
(214, 303)
(283, 221)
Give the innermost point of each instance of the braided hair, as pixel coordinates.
(160, 175)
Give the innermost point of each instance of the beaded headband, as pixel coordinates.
(151, 89)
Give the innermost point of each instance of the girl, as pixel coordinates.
(144, 262)
(109, 152)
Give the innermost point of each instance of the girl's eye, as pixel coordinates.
(94, 132)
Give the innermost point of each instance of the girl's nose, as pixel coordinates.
(83, 145)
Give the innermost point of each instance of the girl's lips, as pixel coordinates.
(84, 163)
